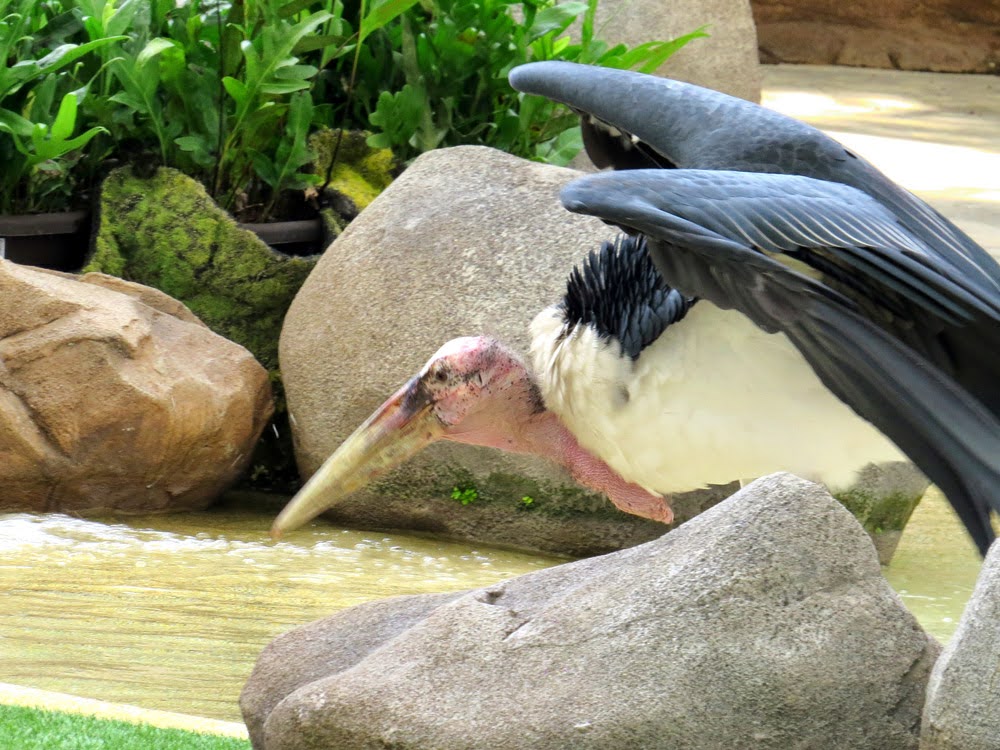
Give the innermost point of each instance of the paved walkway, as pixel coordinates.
(937, 134)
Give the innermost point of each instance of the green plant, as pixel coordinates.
(465, 495)
(526, 502)
(229, 91)
(41, 86)
(210, 87)
(451, 86)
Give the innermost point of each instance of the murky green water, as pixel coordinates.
(171, 612)
(935, 567)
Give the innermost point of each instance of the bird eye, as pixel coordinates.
(440, 376)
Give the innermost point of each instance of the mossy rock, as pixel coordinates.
(166, 232)
(441, 492)
(360, 172)
(883, 499)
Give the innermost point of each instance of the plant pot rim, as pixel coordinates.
(287, 232)
(33, 225)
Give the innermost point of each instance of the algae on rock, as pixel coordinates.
(166, 232)
(883, 498)
(359, 172)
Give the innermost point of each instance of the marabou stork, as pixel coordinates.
(651, 388)
(895, 308)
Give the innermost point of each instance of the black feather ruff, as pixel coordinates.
(620, 294)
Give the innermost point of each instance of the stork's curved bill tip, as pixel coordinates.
(400, 428)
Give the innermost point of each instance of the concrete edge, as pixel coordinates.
(28, 697)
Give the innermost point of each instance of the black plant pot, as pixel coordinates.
(303, 237)
(58, 241)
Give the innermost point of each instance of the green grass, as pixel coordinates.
(34, 729)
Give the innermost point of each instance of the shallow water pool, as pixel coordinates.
(170, 612)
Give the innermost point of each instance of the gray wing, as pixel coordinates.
(946, 430)
(631, 120)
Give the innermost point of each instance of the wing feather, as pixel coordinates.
(829, 218)
(690, 127)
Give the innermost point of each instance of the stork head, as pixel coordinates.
(473, 390)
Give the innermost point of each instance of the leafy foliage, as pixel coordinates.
(465, 495)
(451, 86)
(229, 91)
(39, 101)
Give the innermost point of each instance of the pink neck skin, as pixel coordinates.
(548, 437)
(514, 426)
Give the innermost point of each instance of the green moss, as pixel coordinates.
(511, 490)
(348, 181)
(878, 514)
(360, 172)
(377, 167)
(166, 232)
(333, 224)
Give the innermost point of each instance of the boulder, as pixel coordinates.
(165, 231)
(468, 240)
(114, 397)
(940, 35)
(726, 60)
(883, 498)
(765, 622)
(963, 695)
(324, 648)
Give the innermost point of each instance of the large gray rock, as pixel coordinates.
(963, 696)
(468, 240)
(727, 60)
(764, 623)
(326, 647)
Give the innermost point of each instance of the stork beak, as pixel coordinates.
(399, 429)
